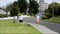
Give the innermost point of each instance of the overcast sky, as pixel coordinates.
(6, 2)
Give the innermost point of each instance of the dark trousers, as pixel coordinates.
(20, 20)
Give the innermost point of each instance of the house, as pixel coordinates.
(3, 12)
(42, 7)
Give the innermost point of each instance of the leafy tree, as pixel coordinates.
(22, 4)
(14, 9)
(33, 7)
(47, 11)
(9, 7)
(47, 14)
(54, 7)
(58, 10)
(4, 9)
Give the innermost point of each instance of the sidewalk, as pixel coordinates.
(43, 29)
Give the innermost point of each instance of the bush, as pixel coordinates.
(47, 16)
(44, 17)
(14, 11)
(2, 15)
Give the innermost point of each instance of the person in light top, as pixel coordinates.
(21, 18)
(38, 19)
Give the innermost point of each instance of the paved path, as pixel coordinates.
(52, 26)
(43, 29)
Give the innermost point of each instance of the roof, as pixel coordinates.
(2, 11)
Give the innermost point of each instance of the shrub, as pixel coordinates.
(44, 17)
(47, 16)
(2, 15)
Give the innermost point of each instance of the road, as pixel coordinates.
(52, 26)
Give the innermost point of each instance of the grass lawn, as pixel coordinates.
(7, 27)
(53, 20)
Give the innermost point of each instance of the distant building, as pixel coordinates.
(42, 7)
(3, 12)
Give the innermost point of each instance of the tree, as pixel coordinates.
(47, 11)
(54, 7)
(33, 7)
(9, 7)
(53, 10)
(22, 4)
(59, 10)
(5, 11)
(14, 10)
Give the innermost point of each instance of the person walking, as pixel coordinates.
(38, 19)
(21, 18)
(15, 19)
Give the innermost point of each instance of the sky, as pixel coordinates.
(7, 2)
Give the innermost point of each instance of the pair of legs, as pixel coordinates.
(37, 21)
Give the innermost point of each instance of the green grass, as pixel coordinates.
(53, 20)
(7, 27)
(19, 14)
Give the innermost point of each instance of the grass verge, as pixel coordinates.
(7, 27)
(53, 20)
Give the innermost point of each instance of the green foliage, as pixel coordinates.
(33, 7)
(14, 9)
(9, 7)
(47, 11)
(59, 10)
(2, 15)
(44, 17)
(14, 12)
(12, 5)
(22, 7)
(22, 4)
(47, 16)
(7, 27)
(54, 7)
